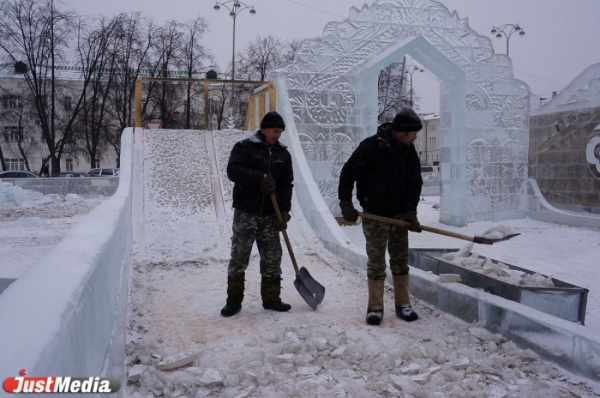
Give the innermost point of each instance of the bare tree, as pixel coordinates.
(194, 58)
(36, 33)
(392, 91)
(98, 61)
(259, 57)
(167, 48)
(256, 60)
(133, 37)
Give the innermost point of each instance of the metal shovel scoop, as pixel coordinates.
(311, 291)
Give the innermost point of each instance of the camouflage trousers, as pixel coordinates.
(248, 228)
(379, 237)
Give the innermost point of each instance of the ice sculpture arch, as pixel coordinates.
(484, 113)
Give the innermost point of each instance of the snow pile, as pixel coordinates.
(48, 206)
(472, 261)
(499, 232)
(32, 222)
(30, 230)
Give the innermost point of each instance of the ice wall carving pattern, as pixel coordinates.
(334, 107)
(592, 153)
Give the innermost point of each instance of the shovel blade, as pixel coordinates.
(310, 290)
(490, 241)
(312, 284)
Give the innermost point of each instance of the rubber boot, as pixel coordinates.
(270, 289)
(403, 308)
(235, 295)
(375, 304)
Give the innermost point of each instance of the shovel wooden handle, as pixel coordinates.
(284, 232)
(423, 227)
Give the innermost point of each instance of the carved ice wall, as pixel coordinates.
(332, 86)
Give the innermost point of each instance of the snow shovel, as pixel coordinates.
(311, 291)
(475, 239)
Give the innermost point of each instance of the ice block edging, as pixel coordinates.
(568, 344)
(564, 300)
(66, 315)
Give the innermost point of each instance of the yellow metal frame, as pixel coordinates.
(257, 105)
(266, 87)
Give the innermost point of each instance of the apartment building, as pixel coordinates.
(428, 140)
(22, 143)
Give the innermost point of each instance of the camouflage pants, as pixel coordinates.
(248, 228)
(379, 237)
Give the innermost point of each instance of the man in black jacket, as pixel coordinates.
(258, 166)
(387, 172)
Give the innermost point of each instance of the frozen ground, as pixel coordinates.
(178, 285)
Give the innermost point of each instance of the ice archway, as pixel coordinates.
(484, 112)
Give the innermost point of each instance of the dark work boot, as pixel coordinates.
(374, 317)
(270, 289)
(235, 295)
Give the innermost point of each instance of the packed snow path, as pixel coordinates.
(182, 204)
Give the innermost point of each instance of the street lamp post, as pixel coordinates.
(501, 30)
(234, 7)
(410, 70)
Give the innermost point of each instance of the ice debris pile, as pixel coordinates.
(466, 258)
(14, 196)
(11, 195)
(318, 361)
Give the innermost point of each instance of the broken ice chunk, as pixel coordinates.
(179, 360)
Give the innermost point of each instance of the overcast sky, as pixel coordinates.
(562, 36)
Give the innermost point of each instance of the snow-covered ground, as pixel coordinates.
(34, 226)
(178, 286)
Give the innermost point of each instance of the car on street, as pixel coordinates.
(103, 173)
(68, 174)
(430, 169)
(18, 174)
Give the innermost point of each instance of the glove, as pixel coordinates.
(411, 218)
(267, 185)
(285, 217)
(348, 211)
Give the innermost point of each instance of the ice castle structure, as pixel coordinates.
(484, 112)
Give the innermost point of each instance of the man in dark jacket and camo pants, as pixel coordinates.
(258, 166)
(387, 172)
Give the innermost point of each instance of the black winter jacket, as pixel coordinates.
(250, 159)
(387, 175)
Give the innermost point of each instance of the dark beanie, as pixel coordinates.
(272, 120)
(406, 120)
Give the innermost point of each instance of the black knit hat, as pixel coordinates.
(406, 120)
(272, 120)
